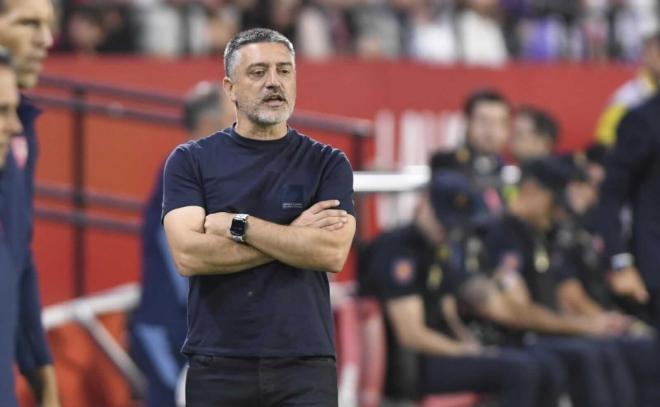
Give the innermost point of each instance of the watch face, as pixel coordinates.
(237, 227)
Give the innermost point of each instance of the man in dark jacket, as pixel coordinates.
(633, 178)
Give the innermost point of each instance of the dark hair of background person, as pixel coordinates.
(205, 98)
(483, 95)
(544, 123)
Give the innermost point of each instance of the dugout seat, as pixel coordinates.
(371, 328)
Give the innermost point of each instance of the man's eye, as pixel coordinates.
(30, 23)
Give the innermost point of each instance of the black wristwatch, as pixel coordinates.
(238, 227)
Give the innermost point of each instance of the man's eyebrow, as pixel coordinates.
(257, 64)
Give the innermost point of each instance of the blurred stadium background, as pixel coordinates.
(383, 80)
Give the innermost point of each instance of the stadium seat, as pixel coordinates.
(373, 345)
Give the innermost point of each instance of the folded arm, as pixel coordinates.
(202, 244)
(199, 253)
(407, 317)
(313, 248)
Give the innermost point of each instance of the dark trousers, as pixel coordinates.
(598, 374)
(554, 378)
(215, 381)
(642, 356)
(513, 376)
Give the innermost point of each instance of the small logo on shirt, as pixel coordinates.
(293, 197)
(19, 148)
(404, 271)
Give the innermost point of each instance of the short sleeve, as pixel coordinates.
(392, 271)
(182, 185)
(337, 182)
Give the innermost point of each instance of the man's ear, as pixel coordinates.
(228, 86)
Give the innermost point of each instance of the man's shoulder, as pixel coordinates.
(644, 115)
(195, 147)
(393, 242)
(316, 146)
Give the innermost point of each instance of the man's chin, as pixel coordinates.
(272, 120)
(28, 80)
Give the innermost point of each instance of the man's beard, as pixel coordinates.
(264, 116)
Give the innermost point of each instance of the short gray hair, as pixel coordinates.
(252, 36)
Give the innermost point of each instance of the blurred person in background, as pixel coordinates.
(25, 30)
(85, 31)
(582, 289)
(431, 32)
(535, 133)
(411, 270)
(480, 34)
(158, 325)
(98, 27)
(521, 259)
(633, 178)
(9, 270)
(378, 31)
(488, 128)
(632, 93)
(174, 27)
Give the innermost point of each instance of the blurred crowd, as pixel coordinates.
(509, 280)
(475, 32)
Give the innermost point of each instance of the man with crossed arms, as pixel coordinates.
(255, 215)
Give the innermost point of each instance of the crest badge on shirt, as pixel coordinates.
(293, 197)
(19, 148)
(403, 271)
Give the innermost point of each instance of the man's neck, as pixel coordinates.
(254, 131)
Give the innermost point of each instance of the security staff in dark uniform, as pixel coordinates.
(488, 129)
(412, 270)
(10, 233)
(25, 30)
(633, 178)
(158, 325)
(522, 260)
(582, 289)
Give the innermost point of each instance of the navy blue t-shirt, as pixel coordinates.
(274, 310)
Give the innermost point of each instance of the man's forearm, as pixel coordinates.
(536, 318)
(205, 254)
(303, 247)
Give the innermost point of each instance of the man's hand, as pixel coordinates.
(218, 224)
(596, 326)
(628, 283)
(322, 216)
(618, 323)
(469, 348)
